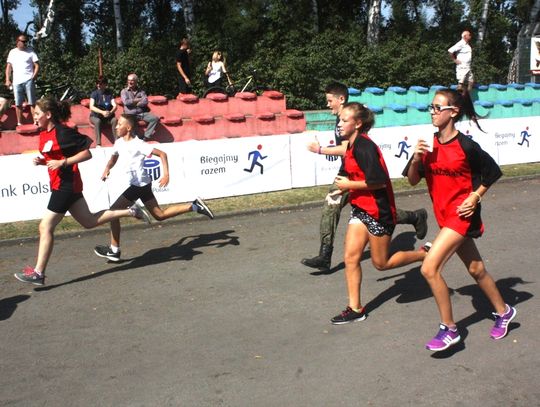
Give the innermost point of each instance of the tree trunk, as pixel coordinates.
(5, 13)
(534, 17)
(374, 22)
(189, 16)
(315, 12)
(119, 24)
(525, 33)
(483, 22)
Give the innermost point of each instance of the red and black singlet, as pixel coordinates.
(57, 144)
(364, 162)
(452, 171)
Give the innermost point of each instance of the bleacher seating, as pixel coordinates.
(246, 114)
(393, 105)
(187, 117)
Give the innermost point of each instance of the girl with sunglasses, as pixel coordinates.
(458, 173)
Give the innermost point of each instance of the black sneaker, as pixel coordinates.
(202, 208)
(107, 253)
(348, 315)
(421, 226)
(29, 275)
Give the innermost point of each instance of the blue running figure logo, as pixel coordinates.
(524, 137)
(255, 156)
(403, 146)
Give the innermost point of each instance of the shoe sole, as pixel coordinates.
(145, 217)
(452, 343)
(205, 207)
(348, 322)
(320, 268)
(104, 256)
(506, 330)
(26, 281)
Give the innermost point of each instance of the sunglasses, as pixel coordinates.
(438, 108)
(23, 41)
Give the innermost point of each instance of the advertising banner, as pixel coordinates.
(248, 165)
(535, 55)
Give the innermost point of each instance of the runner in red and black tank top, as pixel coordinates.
(374, 212)
(458, 174)
(364, 162)
(453, 170)
(63, 149)
(57, 144)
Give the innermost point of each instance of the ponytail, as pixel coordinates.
(462, 100)
(362, 113)
(60, 110)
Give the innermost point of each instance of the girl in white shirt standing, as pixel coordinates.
(215, 70)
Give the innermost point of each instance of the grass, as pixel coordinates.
(265, 201)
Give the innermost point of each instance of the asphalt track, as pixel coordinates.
(222, 313)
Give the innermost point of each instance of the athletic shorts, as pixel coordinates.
(61, 201)
(134, 192)
(464, 75)
(25, 90)
(373, 225)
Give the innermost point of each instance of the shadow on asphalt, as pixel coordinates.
(484, 309)
(185, 249)
(9, 305)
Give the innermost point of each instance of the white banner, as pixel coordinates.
(309, 169)
(535, 55)
(248, 165)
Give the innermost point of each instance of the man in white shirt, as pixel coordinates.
(22, 62)
(461, 53)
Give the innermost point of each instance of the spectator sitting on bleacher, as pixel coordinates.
(136, 103)
(102, 108)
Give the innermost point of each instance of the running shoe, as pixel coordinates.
(500, 329)
(444, 339)
(421, 226)
(107, 253)
(202, 208)
(349, 315)
(138, 212)
(29, 275)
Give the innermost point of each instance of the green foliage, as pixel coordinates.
(291, 48)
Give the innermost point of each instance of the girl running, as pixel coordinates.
(373, 215)
(62, 149)
(458, 173)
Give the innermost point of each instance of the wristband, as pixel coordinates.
(477, 195)
(320, 150)
(64, 164)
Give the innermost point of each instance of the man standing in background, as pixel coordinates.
(183, 65)
(22, 63)
(461, 53)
